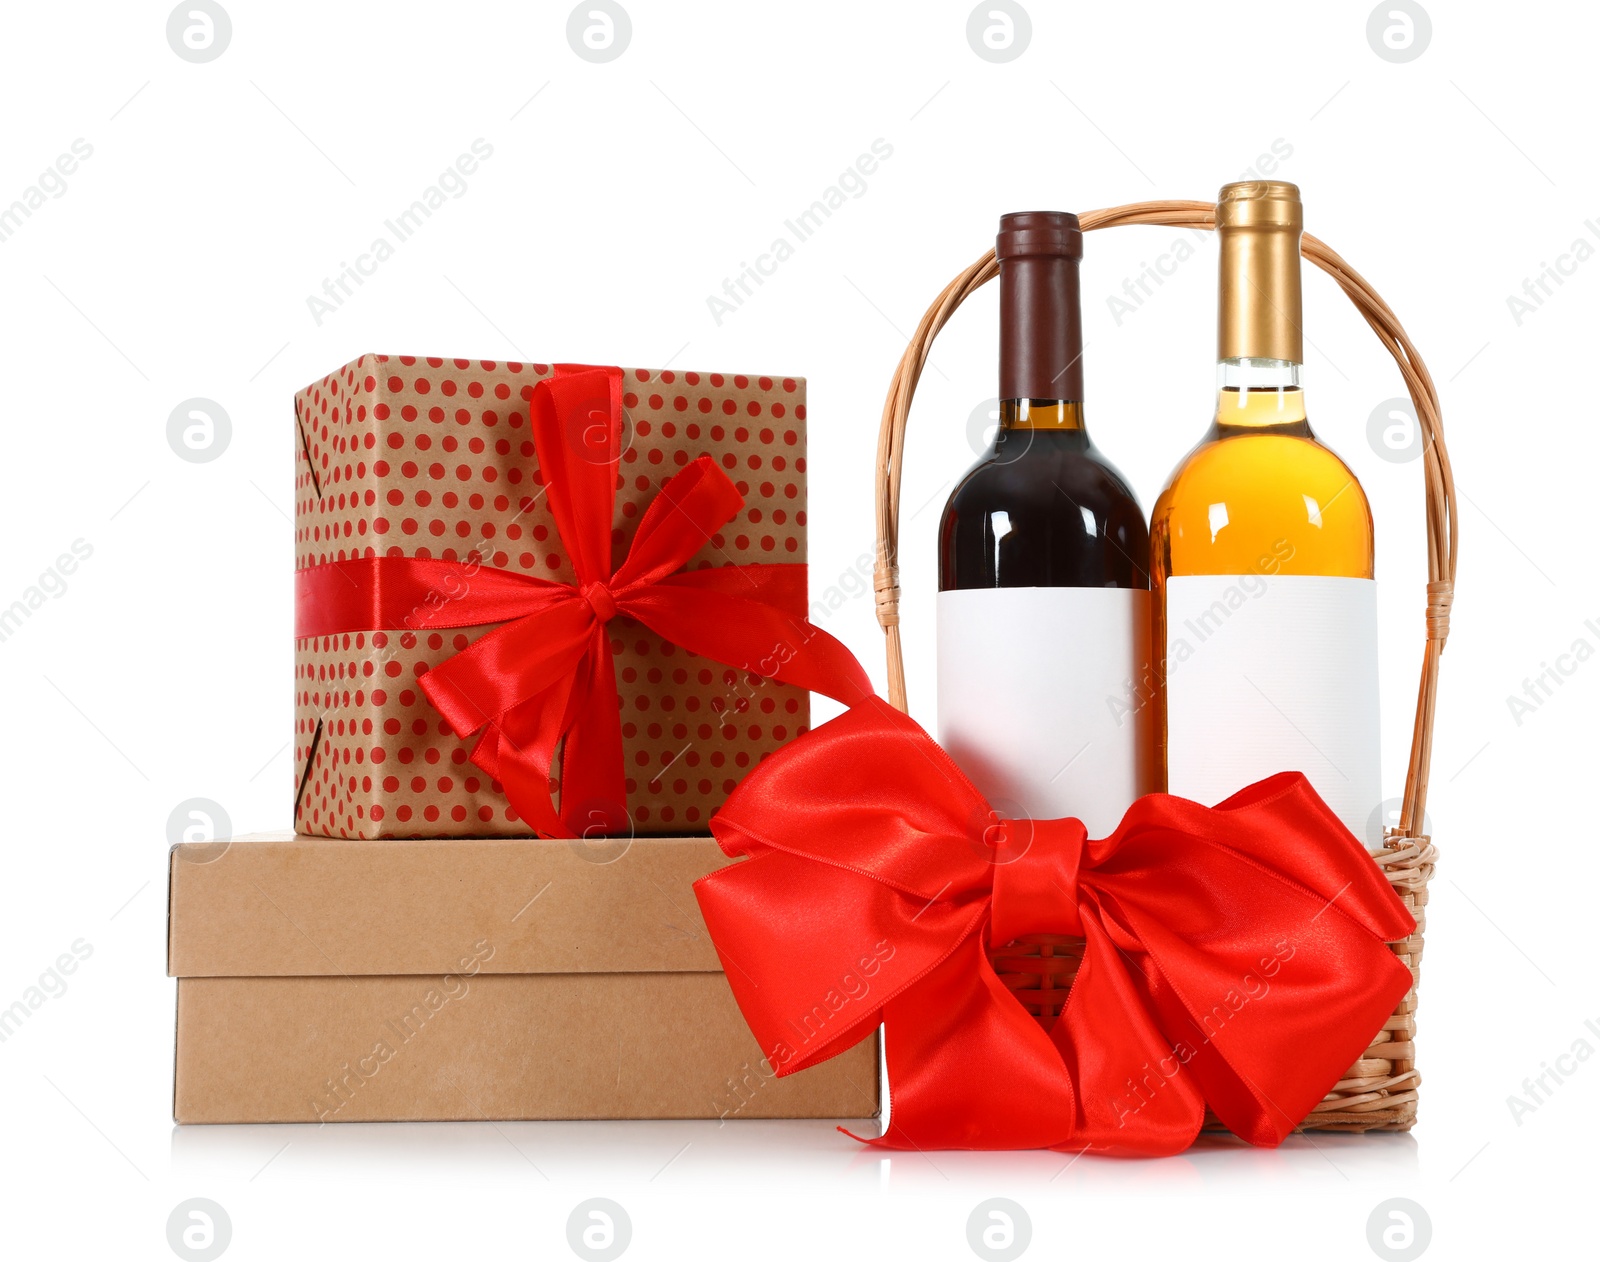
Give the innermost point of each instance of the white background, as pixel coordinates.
(178, 261)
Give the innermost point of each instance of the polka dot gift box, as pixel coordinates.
(422, 511)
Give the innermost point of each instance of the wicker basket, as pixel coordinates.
(1380, 1091)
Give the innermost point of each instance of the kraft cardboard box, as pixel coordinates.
(498, 979)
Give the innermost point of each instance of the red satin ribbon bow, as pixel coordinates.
(1234, 955)
(548, 674)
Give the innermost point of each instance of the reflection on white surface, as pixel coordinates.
(659, 1153)
(1215, 1163)
(795, 1155)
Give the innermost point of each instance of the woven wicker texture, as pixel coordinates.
(1380, 1090)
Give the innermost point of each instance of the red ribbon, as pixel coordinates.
(1234, 955)
(548, 673)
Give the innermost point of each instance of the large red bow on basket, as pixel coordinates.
(1234, 956)
(547, 675)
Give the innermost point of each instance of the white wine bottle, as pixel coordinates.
(1265, 626)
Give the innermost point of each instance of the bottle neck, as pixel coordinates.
(1041, 330)
(1259, 340)
(1260, 395)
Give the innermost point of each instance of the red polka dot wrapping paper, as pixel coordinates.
(432, 458)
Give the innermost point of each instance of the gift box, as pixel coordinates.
(425, 980)
(432, 465)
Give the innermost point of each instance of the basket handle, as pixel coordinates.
(1442, 522)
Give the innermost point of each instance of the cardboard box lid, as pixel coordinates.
(296, 906)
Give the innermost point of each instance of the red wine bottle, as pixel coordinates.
(1043, 616)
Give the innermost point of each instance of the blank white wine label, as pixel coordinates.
(1270, 673)
(1043, 699)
